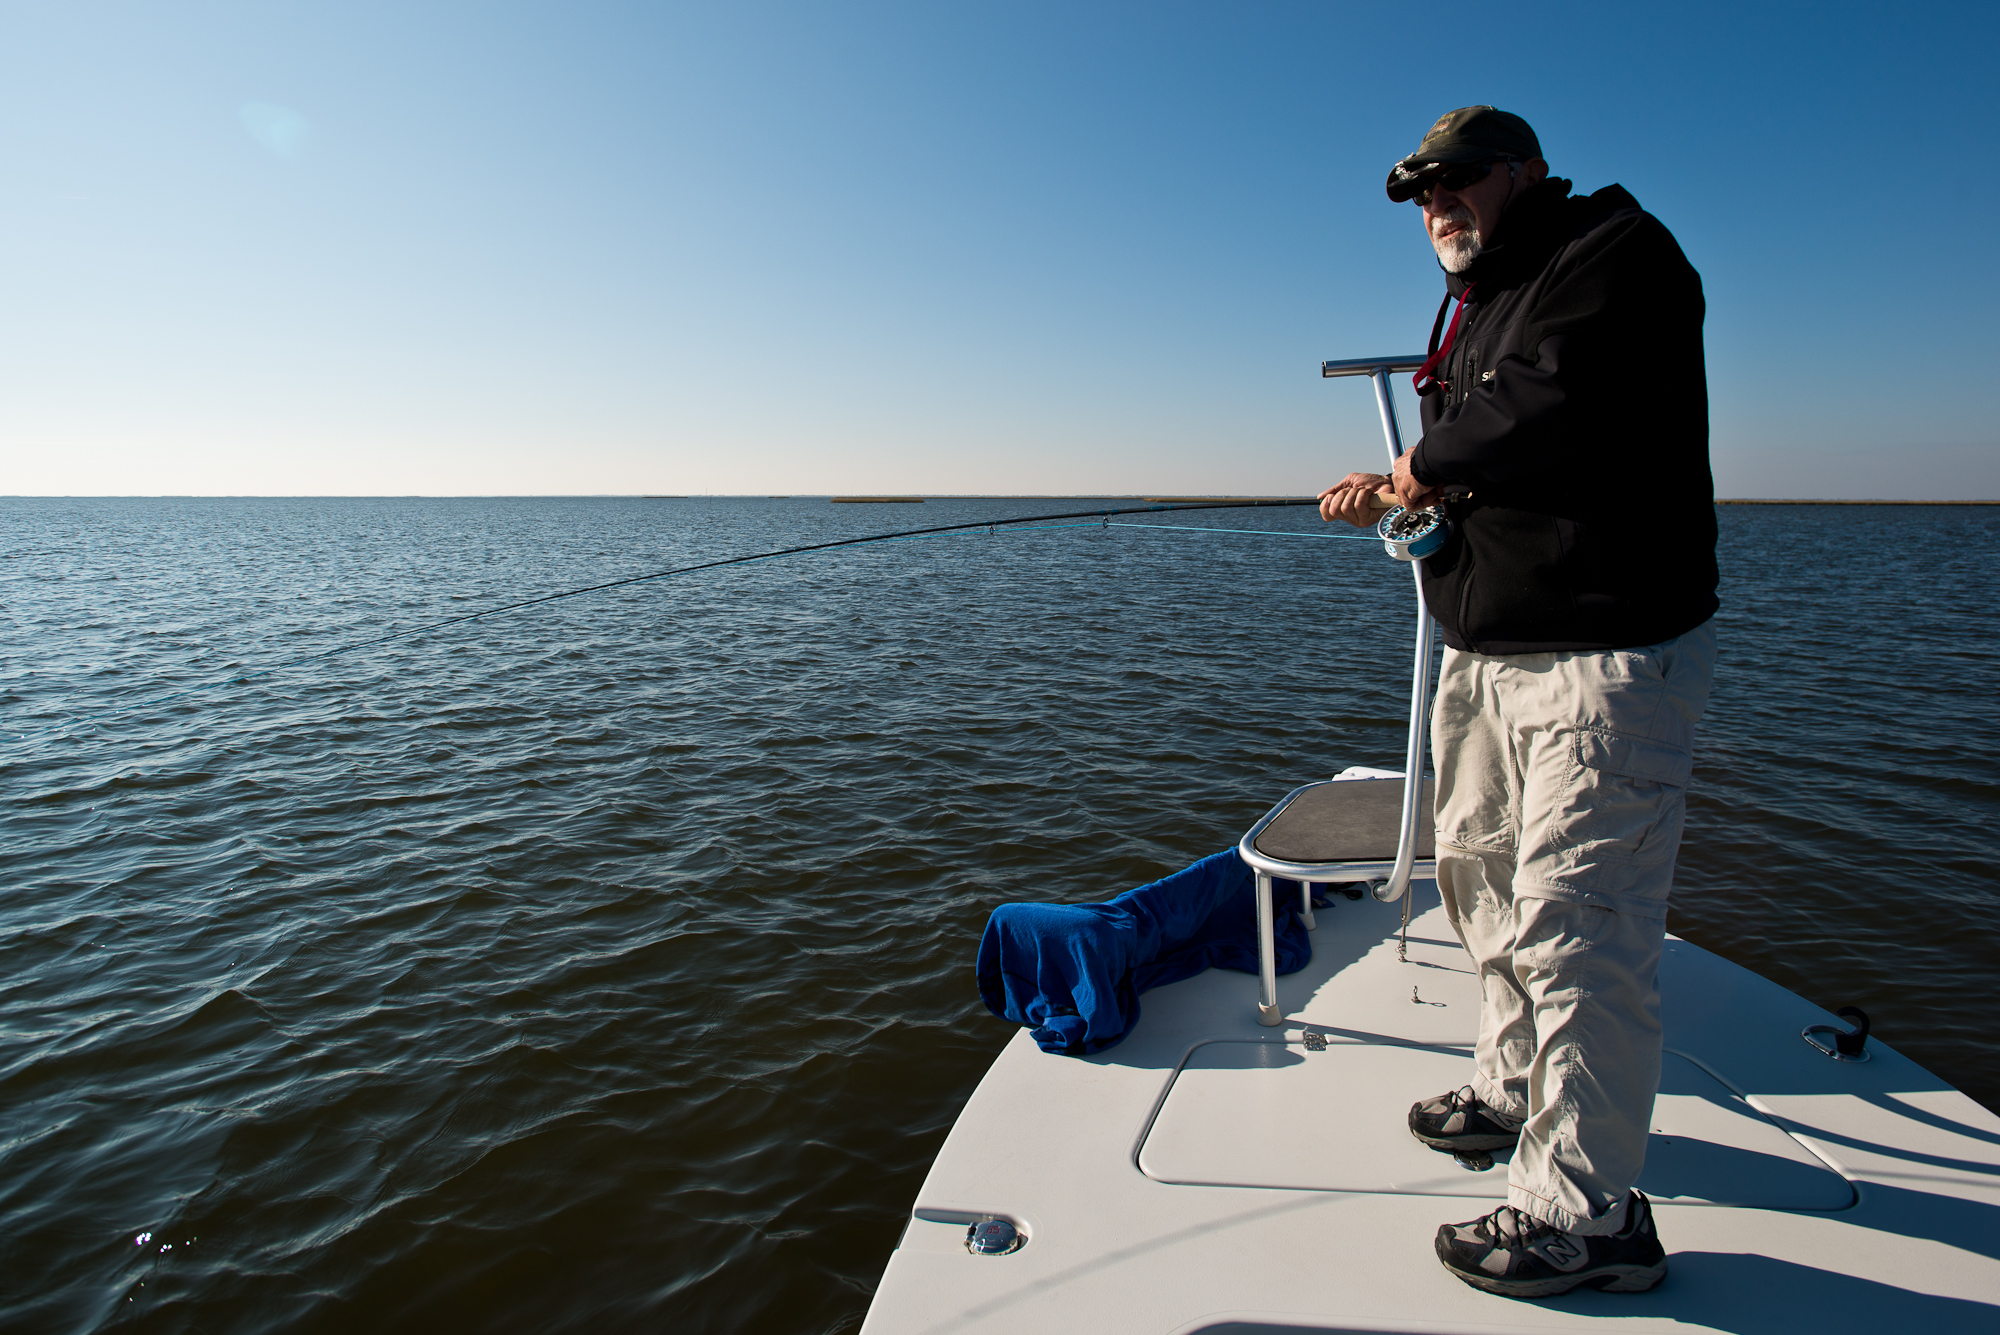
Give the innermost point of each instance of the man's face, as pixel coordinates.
(1461, 222)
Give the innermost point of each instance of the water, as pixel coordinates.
(608, 965)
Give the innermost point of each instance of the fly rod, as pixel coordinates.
(989, 524)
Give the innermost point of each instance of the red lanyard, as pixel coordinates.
(1436, 359)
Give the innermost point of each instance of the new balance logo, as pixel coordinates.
(1562, 1251)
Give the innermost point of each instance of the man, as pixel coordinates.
(1565, 413)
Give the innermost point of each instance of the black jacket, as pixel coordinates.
(1571, 436)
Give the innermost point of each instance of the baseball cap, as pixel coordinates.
(1470, 134)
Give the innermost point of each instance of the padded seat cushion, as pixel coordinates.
(1348, 820)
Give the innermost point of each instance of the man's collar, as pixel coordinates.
(1526, 225)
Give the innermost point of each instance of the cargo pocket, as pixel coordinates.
(1626, 800)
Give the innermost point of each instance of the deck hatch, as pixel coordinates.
(1270, 1114)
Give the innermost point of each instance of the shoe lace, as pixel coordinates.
(1463, 1099)
(1514, 1231)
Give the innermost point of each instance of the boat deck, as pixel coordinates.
(1209, 1174)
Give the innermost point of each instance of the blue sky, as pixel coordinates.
(1024, 248)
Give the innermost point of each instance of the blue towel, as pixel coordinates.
(1073, 972)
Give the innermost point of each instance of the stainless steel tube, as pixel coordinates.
(1387, 407)
(1306, 906)
(1370, 365)
(1267, 957)
(1420, 681)
(1413, 758)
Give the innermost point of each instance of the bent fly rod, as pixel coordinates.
(990, 524)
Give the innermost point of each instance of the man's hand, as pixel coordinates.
(1352, 497)
(1409, 491)
(1349, 499)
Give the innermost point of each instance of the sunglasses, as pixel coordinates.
(1456, 177)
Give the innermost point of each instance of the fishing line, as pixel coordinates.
(1031, 522)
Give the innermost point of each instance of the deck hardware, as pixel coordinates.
(1419, 1001)
(1473, 1161)
(1315, 1042)
(1843, 1045)
(993, 1237)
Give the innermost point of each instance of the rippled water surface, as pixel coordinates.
(607, 965)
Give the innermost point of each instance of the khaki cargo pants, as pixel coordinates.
(1561, 794)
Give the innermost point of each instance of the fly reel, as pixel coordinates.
(1411, 535)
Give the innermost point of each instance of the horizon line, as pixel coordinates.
(829, 496)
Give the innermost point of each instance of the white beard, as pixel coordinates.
(1457, 251)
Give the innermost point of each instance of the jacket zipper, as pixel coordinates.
(1467, 356)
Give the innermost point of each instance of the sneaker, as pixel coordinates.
(1458, 1122)
(1509, 1253)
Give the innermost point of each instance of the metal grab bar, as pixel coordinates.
(1378, 370)
(1399, 873)
(1370, 365)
